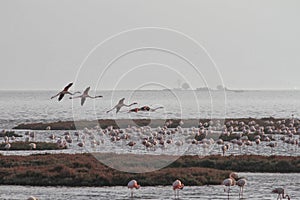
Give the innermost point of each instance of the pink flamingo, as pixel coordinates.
(65, 91)
(177, 185)
(133, 184)
(231, 181)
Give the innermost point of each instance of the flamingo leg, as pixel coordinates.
(242, 192)
(75, 97)
(228, 192)
(110, 109)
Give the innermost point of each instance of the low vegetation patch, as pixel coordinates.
(18, 146)
(86, 170)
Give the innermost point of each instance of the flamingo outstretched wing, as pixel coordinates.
(68, 87)
(83, 100)
(86, 91)
(61, 96)
(121, 101)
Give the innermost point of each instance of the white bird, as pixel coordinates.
(120, 105)
(133, 184)
(177, 185)
(85, 95)
(65, 91)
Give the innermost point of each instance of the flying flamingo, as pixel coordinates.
(85, 95)
(230, 182)
(133, 184)
(241, 183)
(177, 185)
(62, 93)
(280, 192)
(120, 105)
(145, 108)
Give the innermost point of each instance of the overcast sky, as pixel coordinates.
(254, 43)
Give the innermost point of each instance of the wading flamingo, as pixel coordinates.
(177, 185)
(280, 192)
(241, 183)
(133, 184)
(230, 182)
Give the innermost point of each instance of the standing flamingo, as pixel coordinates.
(133, 184)
(7, 146)
(230, 182)
(120, 105)
(62, 93)
(85, 95)
(177, 185)
(241, 183)
(280, 192)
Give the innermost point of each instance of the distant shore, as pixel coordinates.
(86, 170)
(124, 123)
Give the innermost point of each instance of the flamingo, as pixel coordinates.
(280, 192)
(32, 146)
(224, 148)
(133, 184)
(272, 145)
(177, 185)
(85, 95)
(241, 183)
(131, 144)
(120, 105)
(65, 91)
(145, 108)
(7, 146)
(231, 181)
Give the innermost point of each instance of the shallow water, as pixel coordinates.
(35, 106)
(259, 186)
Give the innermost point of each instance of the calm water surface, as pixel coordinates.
(35, 106)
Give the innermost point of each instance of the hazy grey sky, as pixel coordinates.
(254, 43)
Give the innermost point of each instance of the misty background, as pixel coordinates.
(255, 44)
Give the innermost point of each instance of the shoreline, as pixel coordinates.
(85, 170)
(124, 123)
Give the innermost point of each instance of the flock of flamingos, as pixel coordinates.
(162, 136)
